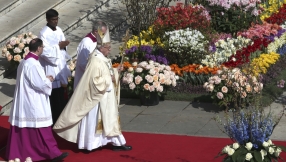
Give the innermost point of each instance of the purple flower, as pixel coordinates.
(212, 48)
(272, 36)
(147, 49)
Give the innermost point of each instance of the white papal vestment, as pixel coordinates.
(90, 134)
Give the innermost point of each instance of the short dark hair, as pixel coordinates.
(51, 13)
(34, 44)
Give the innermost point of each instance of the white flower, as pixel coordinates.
(230, 151)
(130, 69)
(134, 64)
(139, 70)
(271, 150)
(146, 87)
(224, 89)
(160, 89)
(210, 87)
(277, 152)
(248, 146)
(138, 79)
(263, 153)
(151, 62)
(17, 160)
(219, 95)
(17, 58)
(132, 86)
(17, 50)
(225, 149)
(265, 144)
(11, 161)
(235, 145)
(248, 156)
(270, 142)
(176, 77)
(152, 88)
(4, 50)
(206, 84)
(152, 71)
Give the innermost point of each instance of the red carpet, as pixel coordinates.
(146, 148)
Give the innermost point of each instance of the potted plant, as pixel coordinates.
(149, 80)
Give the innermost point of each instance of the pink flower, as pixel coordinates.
(138, 79)
(149, 78)
(219, 95)
(152, 88)
(132, 86)
(224, 89)
(146, 87)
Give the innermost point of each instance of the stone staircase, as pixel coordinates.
(76, 19)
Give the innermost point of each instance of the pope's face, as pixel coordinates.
(105, 50)
(53, 21)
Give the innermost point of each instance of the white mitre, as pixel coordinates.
(106, 37)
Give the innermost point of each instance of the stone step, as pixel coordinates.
(114, 15)
(24, 17)
(21, 19)
(7, 6)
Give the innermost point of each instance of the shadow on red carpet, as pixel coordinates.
(146, 148)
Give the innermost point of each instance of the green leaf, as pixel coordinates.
(257, 156)
(234, 156)
(241, 158)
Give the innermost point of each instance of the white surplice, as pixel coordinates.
(85, 47)
(31, 105)
(53, 59)
(87, 136)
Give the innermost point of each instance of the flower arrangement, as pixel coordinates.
(224, 49)
(270, 8)
(194, 73)
(277, 17)
(146, 52)
(28, 159)
(147, 77)
(262, 63)
(181, 17)
(231, 16)
(148, 37)
(277, 43)
(17, 48)
(232, 86)
(187, 46)
(243, 56)
(260, 30)
(251, 130)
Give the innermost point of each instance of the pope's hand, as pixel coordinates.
(51, 78)
(120, 68)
